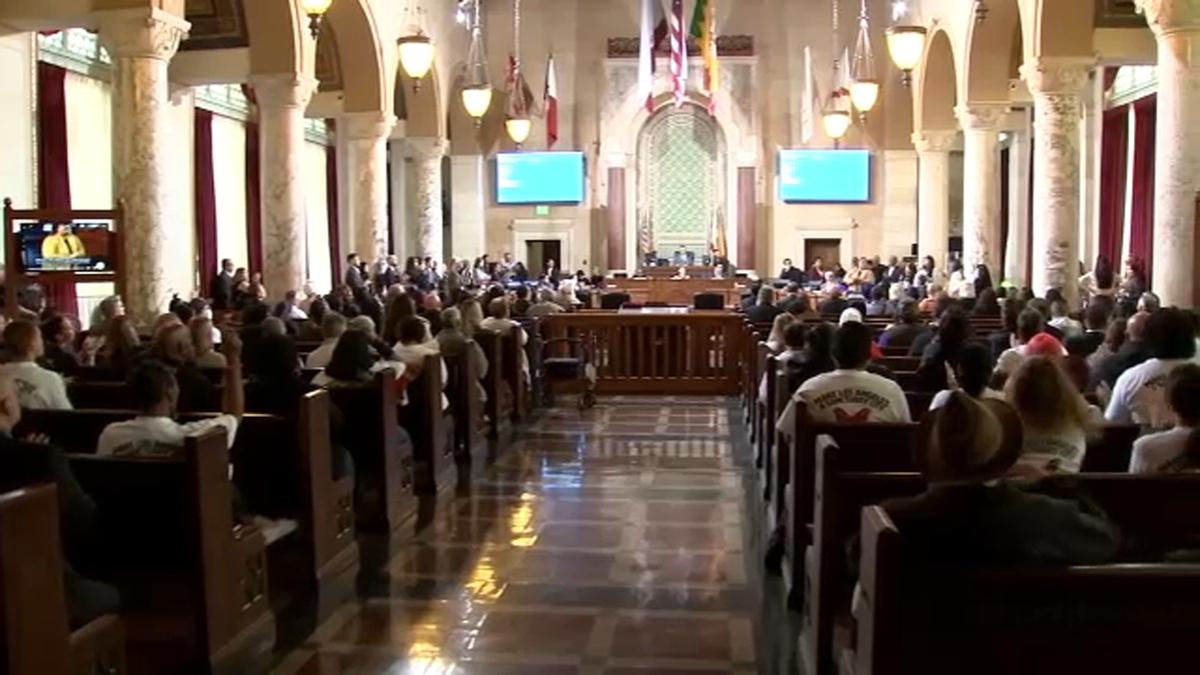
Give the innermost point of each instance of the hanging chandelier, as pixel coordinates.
(981, 11)
(906, 44)
(864, 84)
(477, 92)
(315, 10)
(416, 49)
(516, 114)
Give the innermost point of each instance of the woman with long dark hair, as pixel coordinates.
(983, 280)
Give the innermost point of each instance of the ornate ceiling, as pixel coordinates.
(216, 24)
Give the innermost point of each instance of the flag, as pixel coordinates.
(654, 30)
(716, 239)
(811, 101)
(679, 57)
(704, 30)
(521, 102)
(550, 102)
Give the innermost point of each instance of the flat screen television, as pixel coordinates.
(824, 176)
(81, 246)
(539, 177)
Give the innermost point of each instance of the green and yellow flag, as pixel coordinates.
(704, 30)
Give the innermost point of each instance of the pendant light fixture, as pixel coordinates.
(835, 119)
(516, 113)
(864, 83)
(416, 49)
(477, 92)
(315, 9)
(981, 11)
(906, 44)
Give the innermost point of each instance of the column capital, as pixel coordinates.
(283, 90)
(931, 140)
(366, 126)
(141, 33)
(1057, 75)
(981, 116)
(1169, 16)
(427, 149)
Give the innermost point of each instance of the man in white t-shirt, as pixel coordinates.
(1030, 323)
(332, 327)
(154, 432)
(37, 388)
(1166, 450)
(850, 393)
(1140, 395)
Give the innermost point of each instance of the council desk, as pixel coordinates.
(674, 291)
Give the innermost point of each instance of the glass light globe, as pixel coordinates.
(906, 44)
(476, 100)
(836, 123)
(518, 128)
(317, 7)
(864, 94)
(416, 55)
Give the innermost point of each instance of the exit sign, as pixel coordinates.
(541, 210)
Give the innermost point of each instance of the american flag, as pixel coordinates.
(678, 53)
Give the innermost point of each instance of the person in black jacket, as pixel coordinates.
(907, 327)
(1095, 319)
(765, 310)
(221, 288)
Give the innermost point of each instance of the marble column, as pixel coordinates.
(468, 205)
(1176, 27)
(141, 43)
(1057, 86)
(933, 192)
(427, 156)
(1016, 259)
(366, 150)
(282, 99)
(981, 124)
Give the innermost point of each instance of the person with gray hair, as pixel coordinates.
(453, 342)
(545, 305)
(273, 325)
(363, 323)
(333, 325)
(1149, 303)
(765, 310)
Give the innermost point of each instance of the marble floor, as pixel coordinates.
(618, 540)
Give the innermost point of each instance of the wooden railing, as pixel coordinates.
(695, 353)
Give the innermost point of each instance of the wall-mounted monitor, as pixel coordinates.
(824, 176)
(80, 246)
(539, 177)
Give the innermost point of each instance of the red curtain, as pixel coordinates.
(1141, 225)
(54, 178)
(253, 201)
(206, 201)
(1113, 168)
(331, 210)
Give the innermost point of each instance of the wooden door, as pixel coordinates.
(828, 250)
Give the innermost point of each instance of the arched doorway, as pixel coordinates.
(681, 181)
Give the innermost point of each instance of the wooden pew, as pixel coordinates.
(499, 396)
(1154, 520)
(900, 364)
(764, 443)
(470, 447)
(1104, 619)
(761, 354)
(34, 628)
(193, 584)
(283, 468)
(384, 494)
(514, 377)
(106, 395)
(425, 421)
(800, 492)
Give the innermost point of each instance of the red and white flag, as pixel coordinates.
(679, 56)
(654, 30)
(550, 103)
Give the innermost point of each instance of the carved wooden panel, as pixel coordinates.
(1118, 14)
(216, 24)
(727, 45)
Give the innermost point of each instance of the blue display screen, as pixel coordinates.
(539, 178)
(825, 175)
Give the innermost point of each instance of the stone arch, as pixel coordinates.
(986, 67)
(421, 106)
(936, 85)
(679, 186)
(1053, 28)
(278, 35)
(328, 68)
(363, 56)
